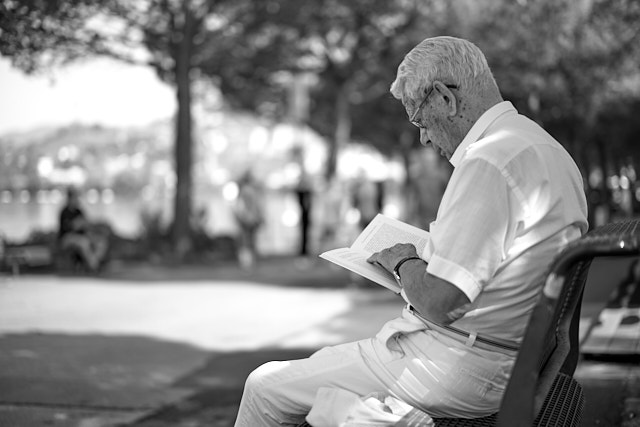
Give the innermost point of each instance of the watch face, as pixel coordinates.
(396, 276)
(396, 269)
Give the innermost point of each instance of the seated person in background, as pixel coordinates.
(514, 200)
(75, 234)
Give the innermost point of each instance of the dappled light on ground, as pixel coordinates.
(219, 316)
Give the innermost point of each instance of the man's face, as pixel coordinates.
(440, 139)
(429, 116)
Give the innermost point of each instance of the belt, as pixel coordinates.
(471, 339)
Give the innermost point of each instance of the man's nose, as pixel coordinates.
(424, 138)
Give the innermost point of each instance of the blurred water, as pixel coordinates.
(21, 216)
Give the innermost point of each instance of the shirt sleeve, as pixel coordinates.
(470, 236)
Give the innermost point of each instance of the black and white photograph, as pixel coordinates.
(319, 213)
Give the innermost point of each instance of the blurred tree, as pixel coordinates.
(346, 52)
(569, 65)
(352, 49)
(563, 62)
(572, 65)
(168, 35)
(352, 45)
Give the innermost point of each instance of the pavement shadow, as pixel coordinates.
(284, 271)
(93, 371)
(219, 384)
(90, 380)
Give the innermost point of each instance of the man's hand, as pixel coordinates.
(389, 257)
(434, 298)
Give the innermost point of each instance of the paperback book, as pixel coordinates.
(382, 232)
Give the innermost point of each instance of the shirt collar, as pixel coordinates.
(479, 128)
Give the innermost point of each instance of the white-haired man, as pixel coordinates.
(515, 198)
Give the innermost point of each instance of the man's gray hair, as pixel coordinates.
(448, 59)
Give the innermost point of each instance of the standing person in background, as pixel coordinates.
(334, 204)
(304, 195)
(248, 211)
(365, 199)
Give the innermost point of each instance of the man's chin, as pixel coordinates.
(438, 150)
(435, 148)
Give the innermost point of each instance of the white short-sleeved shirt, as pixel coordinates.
(515, 198)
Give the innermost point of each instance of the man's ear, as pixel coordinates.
(448, 97)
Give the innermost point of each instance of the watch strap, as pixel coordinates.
(396, 269)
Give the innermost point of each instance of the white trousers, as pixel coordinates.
(423, 368)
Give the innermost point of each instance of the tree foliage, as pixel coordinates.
(565, 63)
(351, 48)
(171, 36)
(571, 65)
(33, 33)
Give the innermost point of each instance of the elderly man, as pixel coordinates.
(515, 198)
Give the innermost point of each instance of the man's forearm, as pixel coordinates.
(435, 299)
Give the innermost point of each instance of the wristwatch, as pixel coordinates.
(396, 269)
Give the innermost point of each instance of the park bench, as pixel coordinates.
(542, 390)
(17, 257)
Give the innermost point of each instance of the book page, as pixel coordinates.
(383, 232)
(356, 261)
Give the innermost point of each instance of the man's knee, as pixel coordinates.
(264, 377)
(264, 393)
(268, 392)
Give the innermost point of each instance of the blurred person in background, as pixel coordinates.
(77, 238)
(248, 211)
(333, 209)
(304, 195)
(365, 199)
(514, 200)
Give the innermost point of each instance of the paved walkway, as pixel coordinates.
(93, 351)
(152, 346)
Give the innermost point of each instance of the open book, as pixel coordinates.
(381, 233)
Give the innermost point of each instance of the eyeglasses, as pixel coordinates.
(423, 103)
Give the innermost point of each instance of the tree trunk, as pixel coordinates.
(180, 236)
(342, 133)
